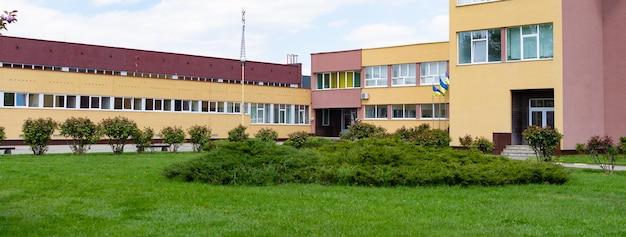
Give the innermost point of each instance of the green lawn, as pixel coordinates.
(105, 195)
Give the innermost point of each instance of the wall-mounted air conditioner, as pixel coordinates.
(365, 96)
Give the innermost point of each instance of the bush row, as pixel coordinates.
(367, 162)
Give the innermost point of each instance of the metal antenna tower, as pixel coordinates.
(242, 58)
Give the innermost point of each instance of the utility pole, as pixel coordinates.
(242, 58)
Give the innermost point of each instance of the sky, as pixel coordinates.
(273, 28)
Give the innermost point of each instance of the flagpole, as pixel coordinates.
(433, 106)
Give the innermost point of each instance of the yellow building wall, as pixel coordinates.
(480, 98)
(415, 53)
(51, 82)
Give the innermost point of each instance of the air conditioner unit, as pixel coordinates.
(365, 96)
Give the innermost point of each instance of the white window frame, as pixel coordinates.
(474, 41)
(372, 71)
(405, 109)
(521, 39)
(435, 112)
(429, 77)
(401, 74)
(377, 114)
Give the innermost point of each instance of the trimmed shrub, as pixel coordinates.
(238, 134)
(2, 134)
(143, 139)
(432, 138)
(622, 144)
(543, 141)
(83, 133)
(366, 162)
(483, 145)
(361, 130)
(37, 133)
(466, 141)
(297, 139)
(174, 136)
(602, 151)
(200, 136)
(118, 130)
(316, 142)
(267, 134)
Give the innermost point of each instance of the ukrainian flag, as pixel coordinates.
(443, 86)
(437, 92)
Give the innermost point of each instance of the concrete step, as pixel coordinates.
(518, 152)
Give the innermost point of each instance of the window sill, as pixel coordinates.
(471, 64)
(431, 119)
(403, 85)
(529, 60)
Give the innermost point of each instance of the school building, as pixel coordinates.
(40, 79)
(511, 64)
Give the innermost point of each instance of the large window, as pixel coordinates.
(431, 72)
(376, 111)
(403, 75)
(529, 42)
(376, 76)
(433, 111)
(336, 80)
(407, 111)
(480, 46)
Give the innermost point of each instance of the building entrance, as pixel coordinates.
(541, 112)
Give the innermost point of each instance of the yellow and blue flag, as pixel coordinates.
(437, 92)
(444, 84)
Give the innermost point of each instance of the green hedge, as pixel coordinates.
(366, 162)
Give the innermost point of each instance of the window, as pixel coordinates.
(468, 2)
(9, 99)
(149, 104)
(33, 100)
(205, 106)
(325, 117)
(376, 76)
(195, 106)
(431, 72)
(259, 113)
(403, 111)
(48, 101)
(280, 114)
(167, 105)
(433, 111)
(480, 46)
(71, 102)
(106, 103)
(302, 114)
(403, 75)
(335, 80)
(529, 42)
(59, 101)
(137, 104)
(213, 106)
(376, 111)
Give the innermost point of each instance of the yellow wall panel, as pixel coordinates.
(429, 52)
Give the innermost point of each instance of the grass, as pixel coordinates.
(101, 194)
(586, 159)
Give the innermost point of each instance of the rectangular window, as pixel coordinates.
(137, 104)
(167, 105)
(433, 111)
(33, 100)
(403, 75)
(9, 99)
(376, 111)
(530, 42)
(407, 111)
(431, 72)
(21, 99)
(118, 103)
(205, 106)
(213, 106)
(149, 104)
(84, 102)
(71, 102)
(220, 107)
(376, 76)
(95, 102)
(325, 117)
(334, 80)
(237, 107)
(195, 106)
(158, 105)
(479, 46)
(59, 101)
(48, 101)
(106, 103)
(186, 105)
(302, 114)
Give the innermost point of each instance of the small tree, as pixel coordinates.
(82, 133)
(200, 136)
(297, 139)
(360, 130)
(143, 139)
(602, 151)
(267, 134)
(237, 134)
(118, 130)
(543, 141)
(37, 133)
(483, 145)
(2, 134)
(466, 141)
(174, 136)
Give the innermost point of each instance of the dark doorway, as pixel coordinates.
(534, 107)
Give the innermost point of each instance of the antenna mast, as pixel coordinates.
(242, 58)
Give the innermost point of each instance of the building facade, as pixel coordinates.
(60, 80)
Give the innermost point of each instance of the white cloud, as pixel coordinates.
(99, 3)
(388, 34)
(337, 24)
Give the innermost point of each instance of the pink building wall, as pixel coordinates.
(336, 61)
(614, 18)
(583, 60)
(340, 98)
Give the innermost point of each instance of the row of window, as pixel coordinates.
(141, 74)
(261, 113)
(377, 76)
(530, 42)
(407, 111)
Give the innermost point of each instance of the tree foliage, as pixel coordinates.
(238, 134)
(82, 133)
(2, 134)
(361, 130)
(543, 141)
(174, 136)
(267, 134)
(200, 136)
(143, 139)
(118, 130)
(37, 133)
(602, 151)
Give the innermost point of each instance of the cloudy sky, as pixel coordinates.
(274, 28)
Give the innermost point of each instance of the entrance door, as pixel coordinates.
(541, 112)
(348, 117)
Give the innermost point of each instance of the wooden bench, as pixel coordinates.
(157, 145)
(7, 149)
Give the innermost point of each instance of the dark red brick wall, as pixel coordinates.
(53, 53)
